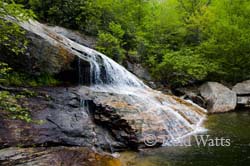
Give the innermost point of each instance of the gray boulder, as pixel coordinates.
(242, 88)
(218, 97)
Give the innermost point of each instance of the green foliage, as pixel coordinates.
(4, 69)
(8, 77)
(228, 39)
(110, 43)
(116, 30)
(182, 67)
(21, 79)
(9, 105)
(76, 14)
(11, 35)
(180, 41)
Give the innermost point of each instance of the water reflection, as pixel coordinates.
(235, 125)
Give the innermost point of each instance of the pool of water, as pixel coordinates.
(234, 126)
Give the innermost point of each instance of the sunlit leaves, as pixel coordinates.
(11, 35)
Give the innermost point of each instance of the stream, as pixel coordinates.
(234, 126)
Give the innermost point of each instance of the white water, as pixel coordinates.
(105, 71)
(178, 119)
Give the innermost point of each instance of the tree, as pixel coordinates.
(11, 35)
(228, 39)
(76, 14)
(110, 43)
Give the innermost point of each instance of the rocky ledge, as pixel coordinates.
(101, 121)
(134, 114)
(56, 156)
(59, 118)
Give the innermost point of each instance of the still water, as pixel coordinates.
(234, 126)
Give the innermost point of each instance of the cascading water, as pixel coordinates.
(176, 117)
(108, 76)
(105, 71)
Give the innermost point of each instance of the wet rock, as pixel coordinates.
(56, 156)
(131, 117)
(218, 97)
(112, 121)
(55, 122)
(74, 103)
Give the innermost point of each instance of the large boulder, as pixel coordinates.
(242, 88)
(218, 97)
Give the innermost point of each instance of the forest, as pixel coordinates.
(178, 41)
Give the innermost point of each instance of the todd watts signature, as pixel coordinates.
(199, 140)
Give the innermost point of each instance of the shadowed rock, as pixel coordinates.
(242, 90)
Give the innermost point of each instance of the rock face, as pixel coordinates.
(133, 116)
(60, 119)
(75, 36)
(219, 98)
(48, 50)
(56, 156)
(111, 121)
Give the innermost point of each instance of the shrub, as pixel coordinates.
(9, 105)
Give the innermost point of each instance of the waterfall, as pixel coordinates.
(105, 71)
(177, 117)
(110, 77)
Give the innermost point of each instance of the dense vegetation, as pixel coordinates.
(12, 38)
(179, 41)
